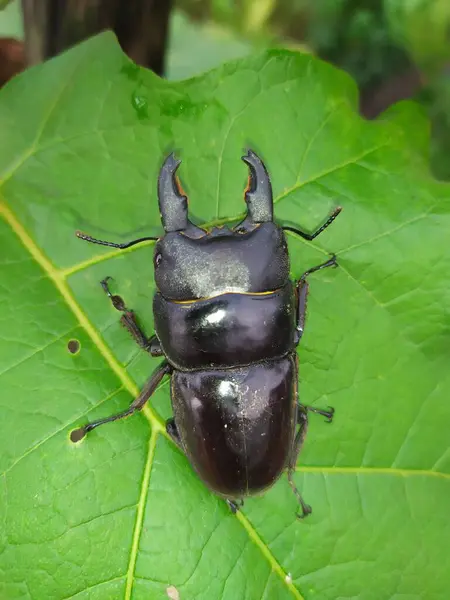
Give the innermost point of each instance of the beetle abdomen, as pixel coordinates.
(227, 330)
(237, 425)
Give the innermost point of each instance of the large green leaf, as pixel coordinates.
(121, 514)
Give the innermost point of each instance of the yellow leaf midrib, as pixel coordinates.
(60, 282)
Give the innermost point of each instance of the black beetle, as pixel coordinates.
(227, 320)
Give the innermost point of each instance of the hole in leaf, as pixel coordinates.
(73, 346)
(77, 434)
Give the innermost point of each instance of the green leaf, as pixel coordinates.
(121, 514)
(196, 47)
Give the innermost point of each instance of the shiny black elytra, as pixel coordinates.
(227, 321)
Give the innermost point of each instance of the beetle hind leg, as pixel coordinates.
(235, 505)
(302, 419)
(306, 508)
(173, 433)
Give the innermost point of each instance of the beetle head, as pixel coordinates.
(191, 262)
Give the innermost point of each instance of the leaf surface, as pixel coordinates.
(122, 514)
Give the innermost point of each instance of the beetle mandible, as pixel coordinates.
(227, 322)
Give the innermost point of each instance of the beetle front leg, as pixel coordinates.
(148, 389)
(129, 321)
(302, 288)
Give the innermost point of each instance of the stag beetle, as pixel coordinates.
(227, 321)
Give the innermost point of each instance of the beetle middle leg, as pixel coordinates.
(129, 321)
(302, 287)
(329, 414)
(148, 389)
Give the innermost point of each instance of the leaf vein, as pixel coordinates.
(390, 231)
(313, 138)
(350, 161)
(60, 283)
(140, 514)
(91, 587)
(325, 470)
(38, 349)
(276, 567)
(54, 433)
(56, 100)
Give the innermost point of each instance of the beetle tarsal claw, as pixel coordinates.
(329, 414)
(83, 236)
(306, 510)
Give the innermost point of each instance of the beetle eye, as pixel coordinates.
(158, 259)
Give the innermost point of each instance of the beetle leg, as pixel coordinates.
(129, 321)
(234, 505)
(302, 298)
(148, 389)
(171, 428)
(329, 414)
(302, 294)
(331, 262)
(302, 420)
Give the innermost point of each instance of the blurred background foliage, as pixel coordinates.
(394, 49)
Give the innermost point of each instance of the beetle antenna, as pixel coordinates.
(311, 236)
(88, 238)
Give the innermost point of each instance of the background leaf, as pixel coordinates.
(422, 27)
(122, 514)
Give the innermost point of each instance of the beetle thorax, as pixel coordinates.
(221, 262)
